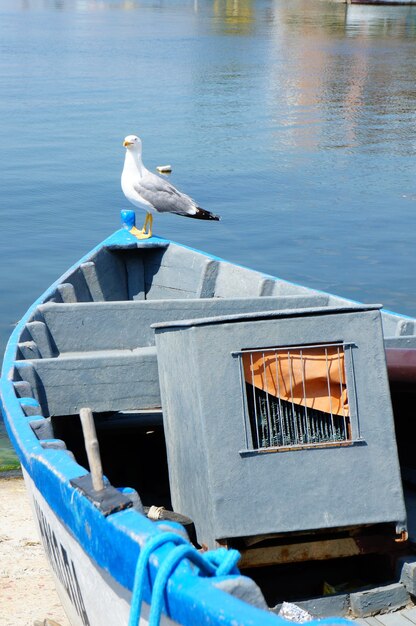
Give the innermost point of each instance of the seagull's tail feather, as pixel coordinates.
(202, 214)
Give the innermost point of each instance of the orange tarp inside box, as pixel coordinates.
(311, 377)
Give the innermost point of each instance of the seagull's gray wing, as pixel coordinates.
(163, 196)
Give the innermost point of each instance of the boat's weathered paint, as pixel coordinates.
(108, 547)
(75, 572)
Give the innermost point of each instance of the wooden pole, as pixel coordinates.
(92, 448)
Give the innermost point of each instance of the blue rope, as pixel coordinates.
(225, 561)
(220, 562)
(137, 594)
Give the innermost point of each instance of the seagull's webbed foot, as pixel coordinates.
(148, 224)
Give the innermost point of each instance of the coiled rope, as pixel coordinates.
(220, 562)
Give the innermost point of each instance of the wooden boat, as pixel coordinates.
(196, 421)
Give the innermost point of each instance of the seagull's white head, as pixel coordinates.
(131, 142)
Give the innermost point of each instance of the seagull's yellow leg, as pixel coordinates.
(142, 234)
(148, 222)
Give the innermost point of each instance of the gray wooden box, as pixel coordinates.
(221, 476)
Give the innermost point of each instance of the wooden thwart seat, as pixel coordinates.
(102, 354)
(106, 380)
(86, 326)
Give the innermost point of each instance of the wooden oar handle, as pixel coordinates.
(92, 448)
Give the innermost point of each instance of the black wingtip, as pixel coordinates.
(202, 214)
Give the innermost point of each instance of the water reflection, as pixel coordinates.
(231, 17)
(80, 6)
(381, 20)
(234, 17)
(338, 96)
(303, 17)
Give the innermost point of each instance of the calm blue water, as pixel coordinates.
(294, 120)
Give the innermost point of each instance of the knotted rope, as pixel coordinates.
(219, 562)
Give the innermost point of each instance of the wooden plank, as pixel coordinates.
(313, 551)
(105, 277)
(126, 324)
(406, 327)
(29, 350)
(41, 337)
(81, 291)
(162, 292)
(317, 550)
(27, 373)
(135, 275)
(208, 279)
(67, 292)
(176, 268)
(237, 281)
(393, 619)
(410, 614)
(91, 278)
(105, 381)
(111, 274)
(22, 389)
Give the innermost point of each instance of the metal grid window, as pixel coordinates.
(297, 396)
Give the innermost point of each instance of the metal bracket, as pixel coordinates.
(108, 500)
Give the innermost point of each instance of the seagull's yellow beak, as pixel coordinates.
(126, 144)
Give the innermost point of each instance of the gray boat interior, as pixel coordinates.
(91, 344)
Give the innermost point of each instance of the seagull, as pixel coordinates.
(153, 193)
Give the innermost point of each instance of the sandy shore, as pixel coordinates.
(27, 592)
